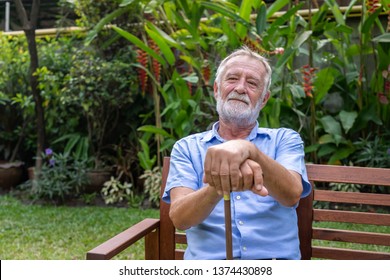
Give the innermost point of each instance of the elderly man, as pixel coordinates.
(263, 171)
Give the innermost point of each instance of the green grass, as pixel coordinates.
(36, 232)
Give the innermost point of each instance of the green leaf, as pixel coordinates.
(182, 23)
(244, 12)
(145, 147)
(296, 90)
(347, 119)
(277, 23)
(228, 13)
(341, 153)
(191, 78)
(166, 37)
(288, 53)
(130, 37)
(126, 3)
(323, 82)
(326, 139)
(261, 19)
(326, 150)
(367, 25)
(311, 148)
(334, 7)
(275, 113)
(302, 38)
(384, 38)
(165, 49)
(331, 126)
(276, 6)
(99, 26)
(155, 130)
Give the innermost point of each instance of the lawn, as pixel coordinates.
(36, 232)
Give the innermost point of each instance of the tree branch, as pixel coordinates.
(22, 14)
(35, 13)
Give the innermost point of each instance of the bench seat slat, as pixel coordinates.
(351, 236)
(347, 254)
(180, 238)
(351, 217)
(348, 174)
(352, 197)
(179, 254)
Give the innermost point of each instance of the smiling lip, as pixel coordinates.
(235, 99)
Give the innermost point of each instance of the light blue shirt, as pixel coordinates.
(262, 227)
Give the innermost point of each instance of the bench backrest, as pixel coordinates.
(329, 206)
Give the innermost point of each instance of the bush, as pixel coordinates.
(61, 178)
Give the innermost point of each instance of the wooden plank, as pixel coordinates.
(348, 174)
(347, 254)
(123, 240)
(351, 217)
(305, 217)
(180, 238)
(179, 254)
(352, 197)
(152, 241)
(167, 230)
(351, 236)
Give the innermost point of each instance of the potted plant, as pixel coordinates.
(11, 170)
(11, 135)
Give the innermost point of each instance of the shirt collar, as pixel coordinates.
(213, 133)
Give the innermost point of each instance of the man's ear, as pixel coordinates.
(265, 99)
(215, 90)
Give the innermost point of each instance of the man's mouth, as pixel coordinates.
(240, 100)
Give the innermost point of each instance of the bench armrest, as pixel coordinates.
(123, 240)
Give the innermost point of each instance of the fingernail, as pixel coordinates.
(259, 187)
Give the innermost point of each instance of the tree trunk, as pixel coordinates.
(29, 26)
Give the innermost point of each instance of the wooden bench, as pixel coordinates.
(162, 240)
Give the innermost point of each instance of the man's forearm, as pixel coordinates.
(282, 184)
(190, 208)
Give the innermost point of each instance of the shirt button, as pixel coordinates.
(244, 248)
(240, 222)
(238, 197)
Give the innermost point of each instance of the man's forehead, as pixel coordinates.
(244, 63)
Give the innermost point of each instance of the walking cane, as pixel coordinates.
(228, 227)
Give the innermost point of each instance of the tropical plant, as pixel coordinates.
(60, 178)
(152, 184)
(177, 46)
(115, 191)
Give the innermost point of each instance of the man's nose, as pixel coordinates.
(240, 86)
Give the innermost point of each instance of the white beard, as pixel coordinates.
(236, 112)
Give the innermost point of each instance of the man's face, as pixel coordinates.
(239, 95)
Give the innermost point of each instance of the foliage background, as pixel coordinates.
(121, 96)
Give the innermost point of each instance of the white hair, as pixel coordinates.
(245, 51)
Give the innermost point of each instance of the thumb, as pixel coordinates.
(260, 190)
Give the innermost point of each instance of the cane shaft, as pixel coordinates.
(228, 227)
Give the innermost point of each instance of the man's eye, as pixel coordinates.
(252, 83)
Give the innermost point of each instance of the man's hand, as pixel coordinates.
(228, 167)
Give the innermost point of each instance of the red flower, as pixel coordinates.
(308, 75)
